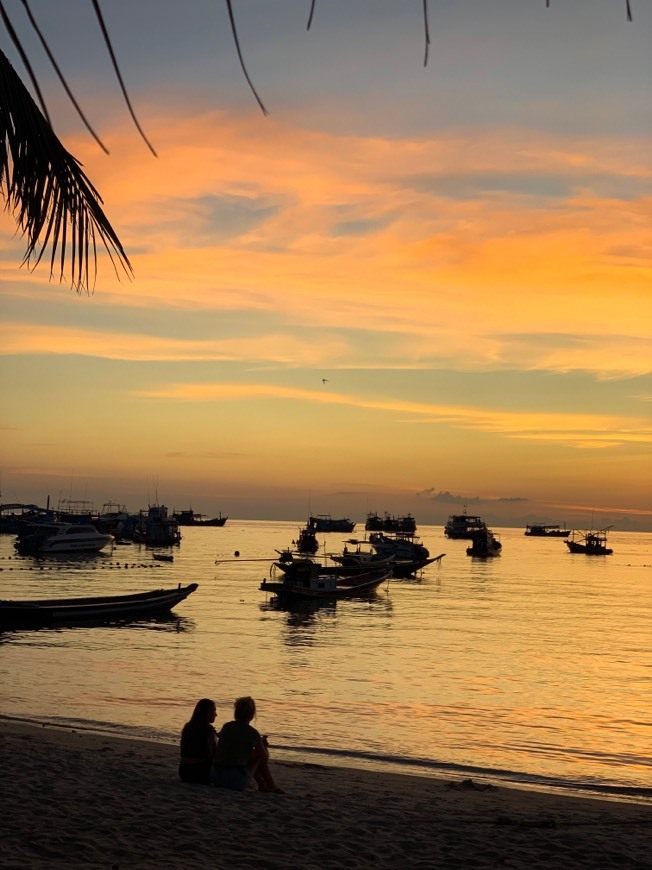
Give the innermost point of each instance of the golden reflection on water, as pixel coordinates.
(536, 662)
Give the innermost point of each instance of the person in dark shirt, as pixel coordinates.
(198, 743)
(242, 753)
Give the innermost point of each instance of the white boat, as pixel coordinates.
(43, 540)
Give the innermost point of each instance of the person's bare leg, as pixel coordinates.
(259, 769)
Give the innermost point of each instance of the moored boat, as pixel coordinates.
(459, 526)
(190, 518)
(590, 543)
(404, 559)
(156, 529)
(75, 611)
(307, 541)
(388, 523)
(325, 523)
(484, 545)
(545, 530)
(333, 565)
(60, 538)
(15, 517)
(400, 545)
(308, 582)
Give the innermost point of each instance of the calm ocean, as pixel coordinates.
(533, 668)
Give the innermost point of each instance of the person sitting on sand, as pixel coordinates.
(242, 753)
(198, 743)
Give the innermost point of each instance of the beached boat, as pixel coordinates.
(75, 611)
(463, 526)
(590, 543)
(545, 530)
(308, 582)
(388, 523)
(484, 545)
(60, 538)
(190, 518)
(325, 523)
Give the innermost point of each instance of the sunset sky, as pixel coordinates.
(408, 288)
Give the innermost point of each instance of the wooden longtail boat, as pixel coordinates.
(75, 611)
(311, 584)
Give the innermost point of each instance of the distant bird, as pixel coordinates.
(324, 380)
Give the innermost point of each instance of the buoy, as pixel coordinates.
(237, 553)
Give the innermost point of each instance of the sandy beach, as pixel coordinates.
(73, 799)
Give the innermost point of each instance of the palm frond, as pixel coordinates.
(52, 200)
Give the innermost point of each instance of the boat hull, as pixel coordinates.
(542, 531)
(59, 540)
(590, 543)
(344, 587)
(588, 550)
(326, 524)
(77, 611)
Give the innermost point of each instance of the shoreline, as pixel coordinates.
(639, 795)
(76, 798)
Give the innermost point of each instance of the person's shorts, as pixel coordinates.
(235, 778)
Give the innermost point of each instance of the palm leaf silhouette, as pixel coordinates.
(45, 188)
(43, 185)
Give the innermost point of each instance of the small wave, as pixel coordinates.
(372, 761)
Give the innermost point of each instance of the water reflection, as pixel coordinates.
(304, 619)
(164, 622)
(503, 660)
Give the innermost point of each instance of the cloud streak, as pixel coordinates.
(574, 429)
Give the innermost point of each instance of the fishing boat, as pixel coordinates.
(590, 543)
(484, 545)
(163, 557)
(155, 528)
(545, 530)
(388, 523)
(400, 545)
(325, 523)
(15, 517)
(307, 541)
(308, 582)
(403, 563)
(292, 564)
(350, 566)
(70, 510)
(190, 518)
(75, 611)
(60, 538)
(463, 526)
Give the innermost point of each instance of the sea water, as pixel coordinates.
(533, 668)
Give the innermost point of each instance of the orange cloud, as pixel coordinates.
(449, 245)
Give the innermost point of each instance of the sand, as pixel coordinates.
(73, 799)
